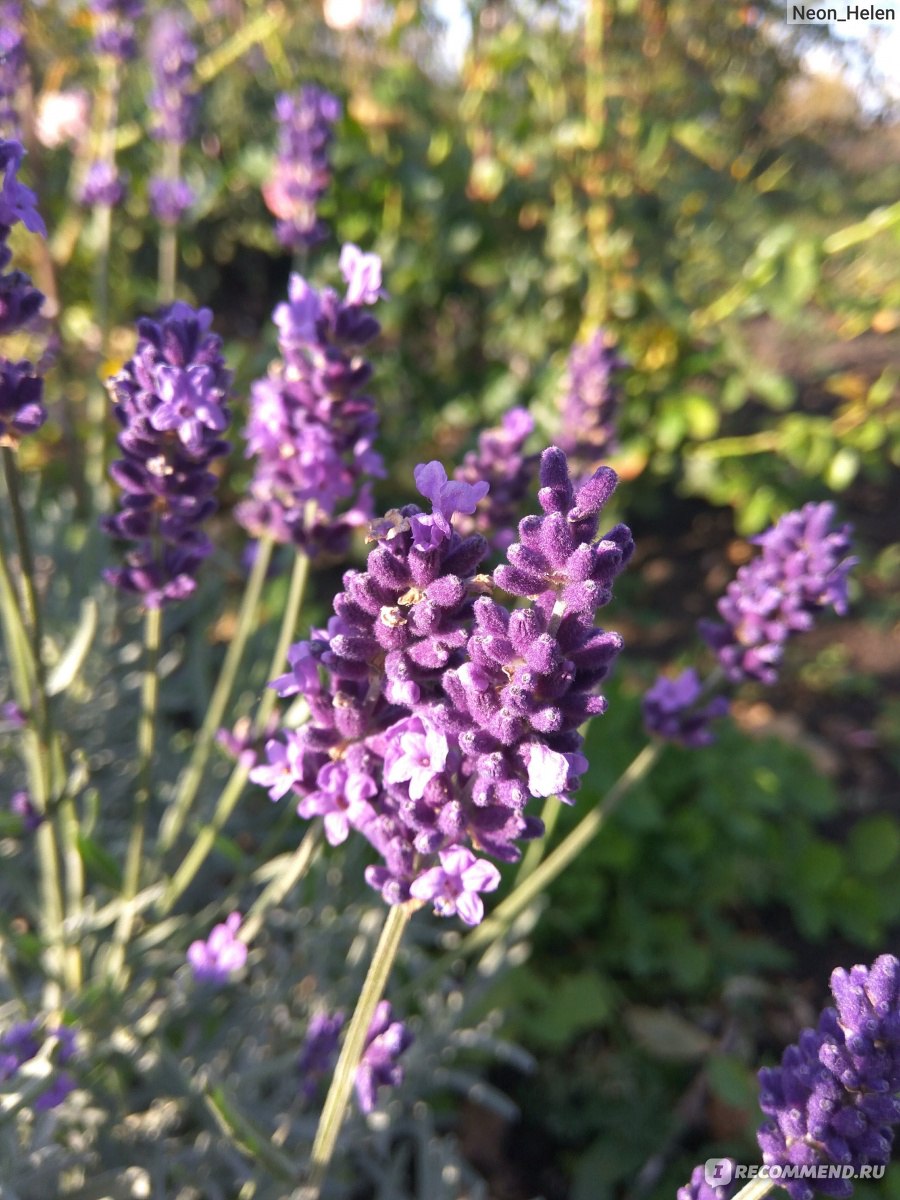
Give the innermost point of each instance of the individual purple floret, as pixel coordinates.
(834, 1098)
(23, 1042)
(216, 960)
(114, 22)
(302, 171)
(312, 425)
(436, 711)
(103, 186)
(671, 710)
(171, 403)
(385, 1042)
(700, 1188)
(319, 1051)
(500, 460)
(453, 887)
(591, 404)
(12, 66)
(802, 569)
(17, 202)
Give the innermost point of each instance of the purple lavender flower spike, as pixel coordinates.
(319, 1051)
(834, 1098)
(114, 22)
(671, 710)
(21, 389)
(386, 1040)
(455, 884)
(500, 461)
(312, 425)
(591, 404)
(170, 199)
(801, 570)
(301, 175)
(12, 66)
(216, 960)
(171, 403)
(103, 186)
(172, 57)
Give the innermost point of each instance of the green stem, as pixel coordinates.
(566, 852)
(338, 1097)
(26, 558)
(96, 410)
(146, 747)
(192, 776)
(168, 234)
(755, 1189)
(207, 834)
(294, 869)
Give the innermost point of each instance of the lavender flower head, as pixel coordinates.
(671, 710)
(173, 102)
(700, 1189)
(103, 186)
(590, 407)
(170, 400)
(802, 569)
(386, 1040)
(302, 170)
(216, 960)
(114, 22)
(319, 1051)
(21, 389)
(836, 1095)
(501, 462)
(24, 1041)
(12, 65)
(437, 713)
(312, 425)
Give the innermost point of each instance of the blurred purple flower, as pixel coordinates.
(591, 404)
(217, 959)
(23, 1042)
(801, 570)
(501, 462)
(12, 66)
(305, 120)
(114, 22)
(319, 1051)
(103, 186)
(21, 806)
(670, 710)
(386, 1040)
(170, 199)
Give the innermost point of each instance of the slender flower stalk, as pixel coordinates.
(192, 776)
(345, 1074)
(146, 748)
(205, 837)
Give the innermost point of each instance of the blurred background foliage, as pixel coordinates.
(681, 174)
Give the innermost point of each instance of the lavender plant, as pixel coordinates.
(439, 703)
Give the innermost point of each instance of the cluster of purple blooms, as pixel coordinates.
(12, 65)
(170, 400)
(312, 426)
(173, 101)
(501, 462)
(103, 186)
(217, 959)
(21, 389)
(591, 404)
(379, 1066)
(23, 1042)
(835, 1098)
(302, 172)
(436, 712)
(802, 570)
(114, 27)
